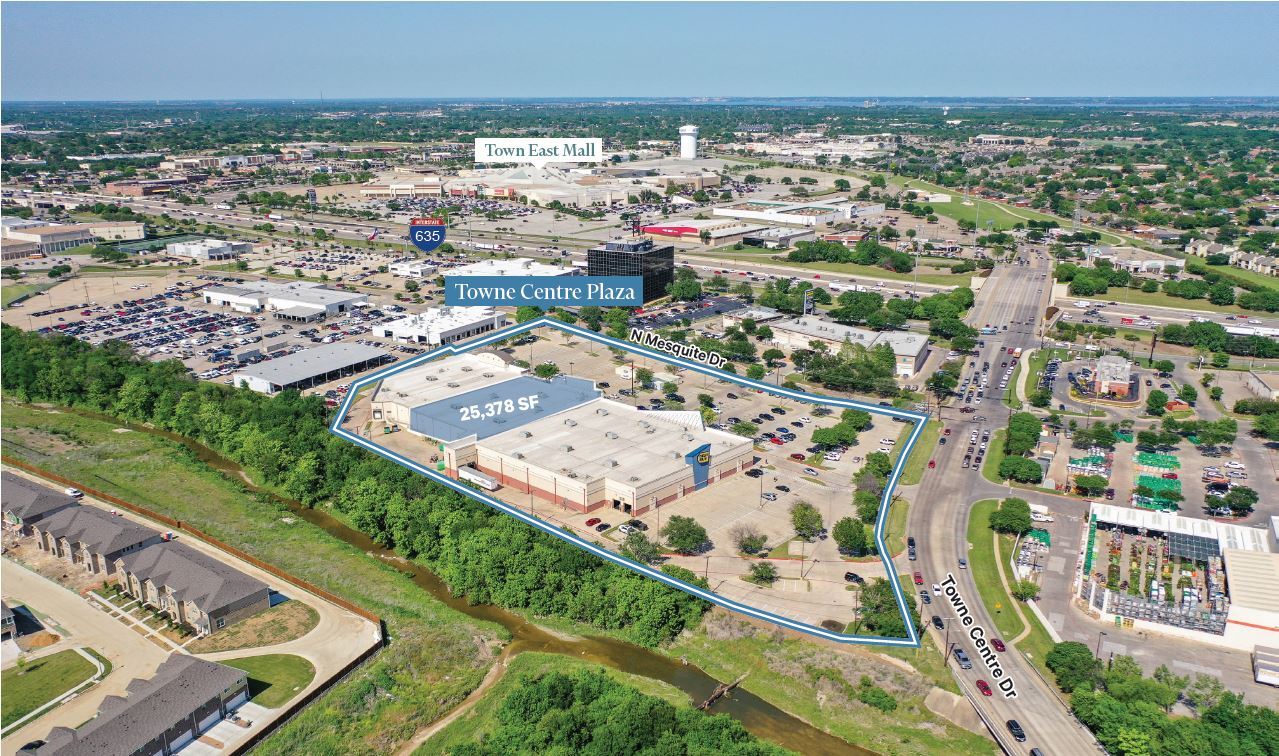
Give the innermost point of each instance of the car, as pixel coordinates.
(777, 441)
(853, 577)
(1169, 476)
(925, 597)
(74, 493)
(766, 416)
(602, 527)
(625, 529)
(1014, 727)
(998, 645)
(731, 395)
(932, 463)
(911, 555)
(941, 441)
(961, 656)
(755, 473)
(1110, 494)
(769, 496)
(779, 410)
(938, 623)
(1149, 382)
(783, 489)
(798, 457)
(810, 471)
(936, 589)
(911, 542)
(592, 522)
(984, 687)
(1235, 465)
(963, 563)
(919, 578)
(946, 432)
(638, 525)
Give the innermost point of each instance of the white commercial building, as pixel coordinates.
(303, 301)
(910, 349)
(209, 249)
(309, 367)
(818, 213)
(516, 266)
(412, 269)
(444, 325)
(53, 238)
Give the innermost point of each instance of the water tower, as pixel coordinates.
(688, 142)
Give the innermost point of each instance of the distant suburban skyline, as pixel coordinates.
(146, 51)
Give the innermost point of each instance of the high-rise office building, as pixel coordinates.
(635, 257)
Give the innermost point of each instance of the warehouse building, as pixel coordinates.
(558, 439)
(51, 239)
(209, 249)
(412, 269)
(910, 349)
(310, 367)
(443, 325)
(717, 230)
(301, 301)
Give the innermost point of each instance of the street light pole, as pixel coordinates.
(1101, 634)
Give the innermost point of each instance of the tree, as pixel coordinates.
(1021, 470)
(1090, 485)
(644, 377)
(762, 573)
(546, 370)
(1187, 393)
(942, 384)
(850, 535)
(772, 356)
(411, 285)
(526, 313)
(706, 400)
(669, 387)
(1074, 666)
(745, 429)
(1205, 692)
(747, 538)
(1041, 398)
(1155, 402)
(637, 546)
(1025, 590)
(1164, 367)
(755, 372)
(806, 520)
(1013, 516)
(684, 534)
(1240, 500)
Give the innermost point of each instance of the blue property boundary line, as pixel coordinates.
(881, 522)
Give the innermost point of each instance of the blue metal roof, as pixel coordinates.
(456, 417)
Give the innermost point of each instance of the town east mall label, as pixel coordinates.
(539, 151)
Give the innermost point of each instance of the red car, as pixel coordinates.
(998, 645)
(919, 578)
(932, 463)
(1170, 476)
(946, 432)
(797, 457)
(592, 522)
(1010, 350)
(984, 687)
(777, 441)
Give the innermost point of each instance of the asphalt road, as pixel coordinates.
(1011, 294)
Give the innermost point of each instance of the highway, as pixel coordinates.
(1012, 296)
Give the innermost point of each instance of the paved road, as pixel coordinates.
(131, 655)
(1011, 295)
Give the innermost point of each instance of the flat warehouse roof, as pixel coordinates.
(608, 439)
(440, 379)
(312, 362)
(490, 410)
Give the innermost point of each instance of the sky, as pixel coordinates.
(147, 51)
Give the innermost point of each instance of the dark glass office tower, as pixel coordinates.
(635, 257)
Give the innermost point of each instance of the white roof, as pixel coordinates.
(440, 379)
(1252, 577)
(519, 266)
(1228, 536)
(440, 319)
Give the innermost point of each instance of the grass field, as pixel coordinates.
(1247, 275)
(274, 678)
(986, 567)
(994, 455)
(895, 532)
(40, 682)
(1160, 299)
(11, 292)
(781, 672)
(482, 717)
(917, 462)
(437, 656)
(281, 623)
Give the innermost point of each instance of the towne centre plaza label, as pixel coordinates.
(543, 291)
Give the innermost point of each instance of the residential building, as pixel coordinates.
(91, 538)
(635, 257)
(443, 325)
(209, 249)
(26, 503)
(159, 716)
(8, 623)
(191, 588)
(309, 367)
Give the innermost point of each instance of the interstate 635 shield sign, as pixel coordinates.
(427, 233)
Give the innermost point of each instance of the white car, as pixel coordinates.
(887, 441)
(806, 419)
(936, 589)
(74, 493)
(1232, 466)
(624, 529)
(885, 450)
